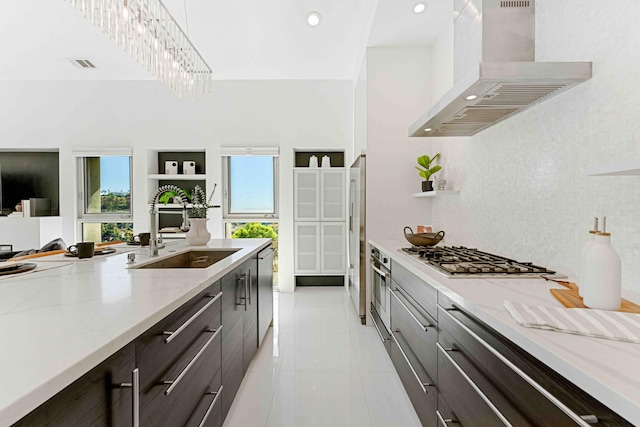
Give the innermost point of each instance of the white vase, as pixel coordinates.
(198, 234)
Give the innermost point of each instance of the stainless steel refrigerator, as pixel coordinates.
(357, 238)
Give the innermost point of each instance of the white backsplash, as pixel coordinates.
(524, 192)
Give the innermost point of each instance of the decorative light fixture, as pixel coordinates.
(314, 18)
(471, 97)
(148, 33)
(419, 8)
(428, 130)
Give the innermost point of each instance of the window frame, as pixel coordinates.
(84, 217)
(249, 217)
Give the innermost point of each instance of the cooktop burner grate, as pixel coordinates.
(462, 261)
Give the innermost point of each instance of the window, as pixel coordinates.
(250, 183)
(104, 205)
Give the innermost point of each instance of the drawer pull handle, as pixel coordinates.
(449, 349)
(445, 421)
(423, 326)
(248, 281)
(215, 399)
(406, 359)
(590, 419)
(174, 334)
(475, 388)
(377, 328)
(575, 417)
(135, 396)
(173, 383)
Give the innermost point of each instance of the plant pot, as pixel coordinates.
(198, 234)
(427, 185)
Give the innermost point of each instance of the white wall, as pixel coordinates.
(524, 189)
(398, 90)
(145, 115)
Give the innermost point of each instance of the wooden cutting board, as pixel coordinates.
(570, 298)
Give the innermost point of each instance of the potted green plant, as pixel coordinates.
(426, 170)
(172, 197)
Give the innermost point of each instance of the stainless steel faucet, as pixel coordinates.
(153, 240)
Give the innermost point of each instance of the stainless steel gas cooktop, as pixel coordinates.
(462, 262)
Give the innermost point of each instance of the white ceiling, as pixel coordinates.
(239, 39)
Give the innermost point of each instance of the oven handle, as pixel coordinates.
(380, 272)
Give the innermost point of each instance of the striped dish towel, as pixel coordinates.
(613, 325)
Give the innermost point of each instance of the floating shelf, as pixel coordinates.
(435, 193)
(623, 167)
(178, 177)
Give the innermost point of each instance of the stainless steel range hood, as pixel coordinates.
(495, 73)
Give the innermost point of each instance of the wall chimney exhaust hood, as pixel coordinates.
(495, 75)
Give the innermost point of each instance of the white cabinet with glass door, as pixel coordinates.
(307, 254)
(319, 214)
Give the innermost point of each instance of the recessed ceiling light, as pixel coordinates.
(428, 130)
(314, 19)
(471, 97)
(419, 8)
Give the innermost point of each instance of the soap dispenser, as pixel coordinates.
(583, 256)
(602, 273)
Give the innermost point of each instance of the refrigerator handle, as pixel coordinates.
(351, 218)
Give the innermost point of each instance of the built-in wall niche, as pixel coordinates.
(180, 157)
(302, 158)
(27, 174)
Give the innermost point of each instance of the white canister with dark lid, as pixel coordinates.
(313, 162)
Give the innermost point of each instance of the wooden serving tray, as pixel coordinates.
(571, 299)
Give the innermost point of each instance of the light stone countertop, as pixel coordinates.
(606, 369)
(58, 323)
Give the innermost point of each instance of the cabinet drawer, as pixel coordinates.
(418, 329)
(420, 291)
(522, 388)
(208, 413)
(459, 400)
(174, 397)
(423, 403)
(157, 348)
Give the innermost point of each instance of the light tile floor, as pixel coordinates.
(318, 366)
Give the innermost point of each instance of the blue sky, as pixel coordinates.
(252, 184)
(114, 173)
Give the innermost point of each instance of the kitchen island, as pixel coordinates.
(59, 323)
(604, 369)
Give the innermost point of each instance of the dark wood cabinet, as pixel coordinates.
(265, 291)
(239, 327)
(250, 315)
(95, 399)
(484, 379)
(414, 335)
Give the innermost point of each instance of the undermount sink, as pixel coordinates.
(192, 259)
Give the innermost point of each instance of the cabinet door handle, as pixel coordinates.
(135, 398)
(423, 386)
(445, 421)
(250, 286)
(173, 383)
(174, 334)
(215, 399)
(584, 422)
(423, 326)
(243, 279)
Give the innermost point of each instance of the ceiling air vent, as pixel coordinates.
(515, 3)
(83, 63)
